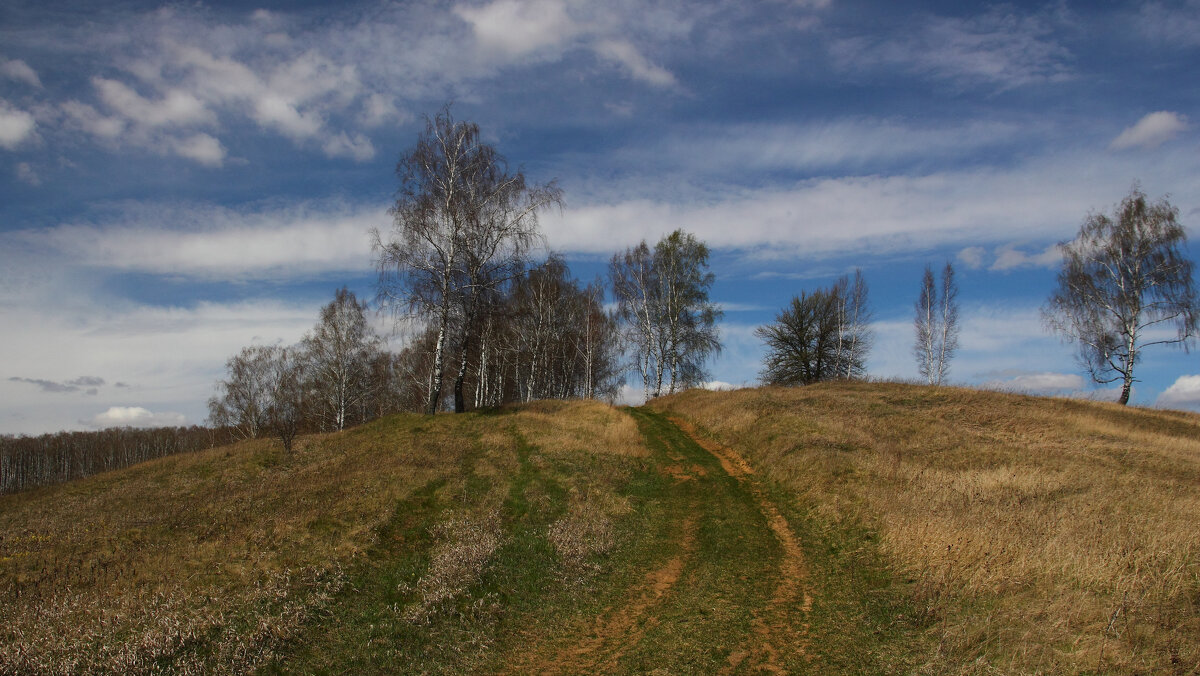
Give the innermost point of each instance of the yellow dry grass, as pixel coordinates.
(210, 562)
(232, 547)
(1039, 535)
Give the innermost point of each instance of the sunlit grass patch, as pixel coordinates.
(1039, 535)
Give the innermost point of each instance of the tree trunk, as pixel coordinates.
(460, 403)
(1126, 386)
(435, 378)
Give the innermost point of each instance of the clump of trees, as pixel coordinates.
(462, 227)
(326, 382)
(936, 325)
(1123, 276)
(822, 335)
(668, 321)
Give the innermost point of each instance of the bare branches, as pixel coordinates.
(822, 335)
(463, 226)
(935, 322)
(662, 302)
(1121, 275)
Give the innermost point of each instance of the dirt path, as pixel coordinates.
(619, 628)
(731, 595)
(774, 626)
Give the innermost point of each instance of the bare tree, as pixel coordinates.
(936, 325)
(635, 287)
(461, 224)
(242, 400)
(662, 302)
(339, 352)
(688, 318)
(822, 335)
(802, 341)
(854, 332)
(1122, 276)
(285, 383)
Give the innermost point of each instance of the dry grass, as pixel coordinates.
(463, 546)
(202, 562)
(215, 562)
(568, 427)
(1040, 535)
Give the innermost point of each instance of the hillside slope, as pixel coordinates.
(548, 538)
(842, 528)
(1035, 535)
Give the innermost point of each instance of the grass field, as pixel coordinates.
(846, 528)
(1035, 535)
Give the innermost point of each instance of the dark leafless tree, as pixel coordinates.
(822, 335)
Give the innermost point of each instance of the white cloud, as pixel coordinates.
(1009, 257)
(815, 146)
(200, 147)
(26, 173)
(358, 147)
(1175, 24)
(379, 109)
(212, 242)
(1183, 393)
(1037, 383)
(972, 257)
(92, 121)
(518, 27)
(811, 219)
(16, 69)
(516, 31)
(16, 126)
(135, 416)
(625, 54)
(171, 355)
(1151, 131)
(176, 108)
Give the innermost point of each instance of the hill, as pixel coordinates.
(843, 528)
(1032, 535)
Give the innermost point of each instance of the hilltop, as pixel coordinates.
(844, 528)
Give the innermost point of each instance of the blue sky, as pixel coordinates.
(178, 181)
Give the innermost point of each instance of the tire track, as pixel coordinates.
(773, 629)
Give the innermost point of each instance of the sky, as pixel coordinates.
(178, 181)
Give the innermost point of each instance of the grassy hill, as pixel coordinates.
(1032, 534)
(848, 528)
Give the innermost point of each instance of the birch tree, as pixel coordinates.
(662, 302)
(461, 225)
(339, 352)
(1125, 285)
(635, 287)
(688, 318)
(243, 398)
(935, 323)
(854, 333)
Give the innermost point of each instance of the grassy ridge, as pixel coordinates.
(879, 529)
(1034, 535)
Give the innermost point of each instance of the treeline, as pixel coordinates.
(30, 462)
(543, 335)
